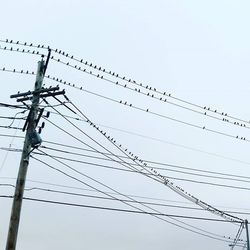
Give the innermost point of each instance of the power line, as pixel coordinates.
(166, 182)
(159, 140)
(6, 105)
(134, 171)
(128, 80)
(161, 168)
(130, 105)
(159, 177)
(147, 110)
(148, 94)
(243, 138)
(131, 195)
(153, 162)
(118, 209)
(147, 174)
(173, 223)
(178, 191)
(10, 144)
(10, 127)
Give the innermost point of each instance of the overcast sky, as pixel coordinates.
(199, 51)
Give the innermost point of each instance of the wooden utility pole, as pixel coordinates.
(246, 225)
(27, 147)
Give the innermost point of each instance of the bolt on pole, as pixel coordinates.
(23, 167)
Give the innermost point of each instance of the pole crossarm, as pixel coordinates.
(28, 93)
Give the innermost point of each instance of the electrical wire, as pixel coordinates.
(152, 162)
(237, 236)
(134, 171)
(173, 223)
(113, 74)
(6, 105)
(177, 190)
(158, 140)
(10, 127)
(96, 207)
(148, 94)
(161, 168)
(131, 195)
(125, 210)
(159, 177)
(147, 110)
(10, 145)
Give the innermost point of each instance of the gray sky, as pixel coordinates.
(197, 51)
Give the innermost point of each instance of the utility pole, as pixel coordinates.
(246, 225)
(27, 147)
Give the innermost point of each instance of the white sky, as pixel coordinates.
(197, 50)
